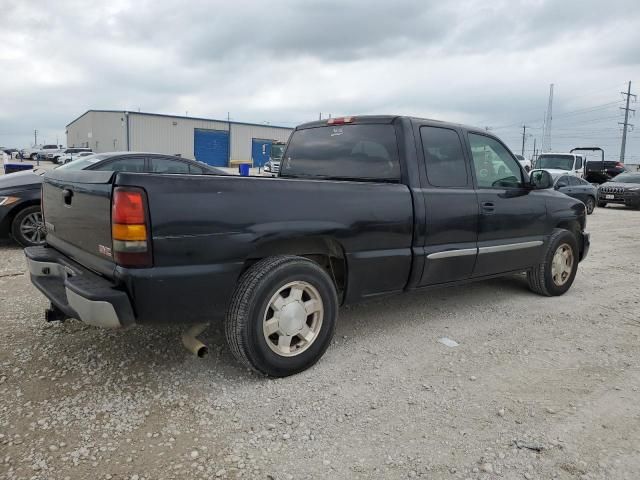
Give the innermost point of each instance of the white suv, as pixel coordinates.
(71, 154)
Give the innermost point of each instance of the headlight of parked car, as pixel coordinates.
(4, 201)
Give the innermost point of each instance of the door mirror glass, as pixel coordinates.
(541, 179)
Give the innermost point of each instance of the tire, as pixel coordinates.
(34, 156)
(20, 227)
(590, 204)
(545, 278)
(602, 204)
(251, 315)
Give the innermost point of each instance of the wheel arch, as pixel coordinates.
(327, 252)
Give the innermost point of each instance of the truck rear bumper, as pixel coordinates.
(78, 292)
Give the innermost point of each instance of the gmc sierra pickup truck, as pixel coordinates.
(363, 207)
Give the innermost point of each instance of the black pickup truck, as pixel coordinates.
(363, 207)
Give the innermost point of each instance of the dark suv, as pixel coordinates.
(624, 190)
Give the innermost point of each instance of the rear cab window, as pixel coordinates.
(361, 152)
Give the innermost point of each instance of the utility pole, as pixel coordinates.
(524, 135)
(626, 121)
(35, 138)
(320, 117)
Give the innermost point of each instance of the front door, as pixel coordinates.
(451, 207)
(512, 220)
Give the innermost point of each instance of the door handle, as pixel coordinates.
(488, 207)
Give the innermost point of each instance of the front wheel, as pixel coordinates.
(282, 315)
(590, 204)
(34, 156)
(557, 271)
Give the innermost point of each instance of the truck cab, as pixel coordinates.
(561, 163)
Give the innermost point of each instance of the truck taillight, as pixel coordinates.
(130, 228)
(340, 120)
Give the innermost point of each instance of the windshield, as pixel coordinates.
(82, 163)
(276, 152)
(627, 178)
(560, 162)
(345, 152)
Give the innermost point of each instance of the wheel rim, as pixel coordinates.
(293, 319)
(562, 264)
(32, 228)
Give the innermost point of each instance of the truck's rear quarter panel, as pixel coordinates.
(206, 228)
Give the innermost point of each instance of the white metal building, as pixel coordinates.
(215, 142)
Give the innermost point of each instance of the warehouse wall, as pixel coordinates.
(106, 131)
(100, 131)
(242, 135)
(168, 135)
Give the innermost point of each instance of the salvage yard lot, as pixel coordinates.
(560, 375)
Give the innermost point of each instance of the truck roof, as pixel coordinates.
(363, 119)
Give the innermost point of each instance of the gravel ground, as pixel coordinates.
(537, 388)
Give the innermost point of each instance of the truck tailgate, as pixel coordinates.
(77, 212)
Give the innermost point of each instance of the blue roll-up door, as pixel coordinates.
(211, 146)
(260, 151)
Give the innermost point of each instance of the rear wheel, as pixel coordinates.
(555, 274)
(282, 315)
(590, 204)
(27, 227)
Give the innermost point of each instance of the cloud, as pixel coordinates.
(284, 61)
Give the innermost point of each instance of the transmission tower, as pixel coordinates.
(626, 123)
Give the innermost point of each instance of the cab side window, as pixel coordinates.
(494, 166)
(578, 163)
(443, 156)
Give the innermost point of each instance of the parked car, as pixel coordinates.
(624, 190)
(20, 214)
(526, 164)
(363, 207)
(561, 163)
(577, 188)
(272, 166)
(31, 152)
(74, 153)
(48, 152)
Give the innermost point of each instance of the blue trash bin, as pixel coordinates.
(243, 168)
(17, 167)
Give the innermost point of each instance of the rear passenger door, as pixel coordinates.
(451, 207)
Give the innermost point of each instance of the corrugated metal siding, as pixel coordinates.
(162, 134)
(167, 134)
(100, 131)
(242, 137)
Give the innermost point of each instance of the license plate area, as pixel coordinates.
(609, 197)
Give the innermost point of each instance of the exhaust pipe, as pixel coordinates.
(191, 343)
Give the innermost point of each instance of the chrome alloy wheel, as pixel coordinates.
(293, 318)
(33, 229)
(562, 264)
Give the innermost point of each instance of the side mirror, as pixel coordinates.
(540, 179)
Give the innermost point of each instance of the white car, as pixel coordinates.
(74, 153)
(561, 164)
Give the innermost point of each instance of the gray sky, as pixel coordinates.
(486, 63)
